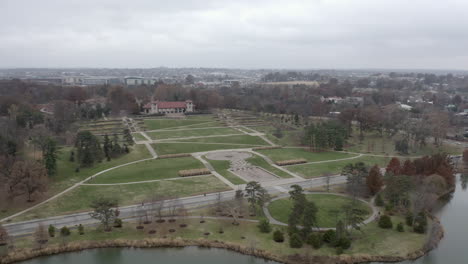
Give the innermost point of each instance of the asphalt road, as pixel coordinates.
(128, 213)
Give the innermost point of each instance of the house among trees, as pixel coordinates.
(161, 107)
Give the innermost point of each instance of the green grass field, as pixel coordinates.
(192, 133)
(329, 208)
(174, 148)
(149, 170)
(67, 176)
(374, 143)
(260, 162)
(221, 167)
(153, 124)
(139, 137)
(241, 139)
(298, 153)
(79, 199)
(335, 167)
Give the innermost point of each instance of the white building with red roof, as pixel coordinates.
(161, 107)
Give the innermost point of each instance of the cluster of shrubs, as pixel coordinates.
(194, 172)
(65, 231)
(316, 240)
(171, 156)
(290, 162)
(419, 223)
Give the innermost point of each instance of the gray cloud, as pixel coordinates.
(242, 33)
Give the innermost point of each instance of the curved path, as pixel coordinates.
(374, 215)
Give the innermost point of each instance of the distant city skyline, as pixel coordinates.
(301, 35)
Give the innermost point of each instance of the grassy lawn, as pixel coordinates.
(192, 133)
(377, 241)
(298, 153)
(260, 162)
(372, 240)
(335, 167)
(139, 137)
(66, 175)
(78, 200)
(329, 208)
(153, 124)
(290, 137)
(149, 170)
(241, 139)
(374, 143)
(174, 148)
(221, 167)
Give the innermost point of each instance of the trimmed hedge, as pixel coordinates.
(171, 156)
(290, 162)
(194, 172)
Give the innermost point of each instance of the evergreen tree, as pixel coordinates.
(107, 147)
(264, 226)
(278, 236)
(385, 222)
(51, 231)
(295, 241)
(49, 156)
(116, 148)
(88, 148)
(128, 137)
(339, 143)
(309, 219)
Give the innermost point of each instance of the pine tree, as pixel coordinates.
(128, 137)
(116, 149)
(107, 147)
(49, 156)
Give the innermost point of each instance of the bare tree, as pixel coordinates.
(4, 238)
(41, 236)
(27, 177)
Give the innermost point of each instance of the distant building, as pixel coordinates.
(133, 81)
(332, 99)
(160, 107)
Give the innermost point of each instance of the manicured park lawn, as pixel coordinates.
(153, 124)
(260, 162)
(174, 148)
(333, 167)
(298, 153)
(374, 143)
(139, 137)
(221, 167)
(80, 198)
(329, 208)
(241, 139)
(165, 134)
(66, 170)
(149, 170)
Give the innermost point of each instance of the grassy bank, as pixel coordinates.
(329, 208)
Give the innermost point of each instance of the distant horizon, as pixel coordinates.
(406, 70)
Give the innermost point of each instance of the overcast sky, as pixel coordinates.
(422, 34)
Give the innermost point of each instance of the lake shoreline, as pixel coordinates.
(27, 254)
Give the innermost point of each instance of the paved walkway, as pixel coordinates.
(148, 181)
(372, 217)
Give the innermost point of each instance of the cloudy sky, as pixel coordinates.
(423, 34)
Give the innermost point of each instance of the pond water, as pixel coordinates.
(192, 255)
(453, 249)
